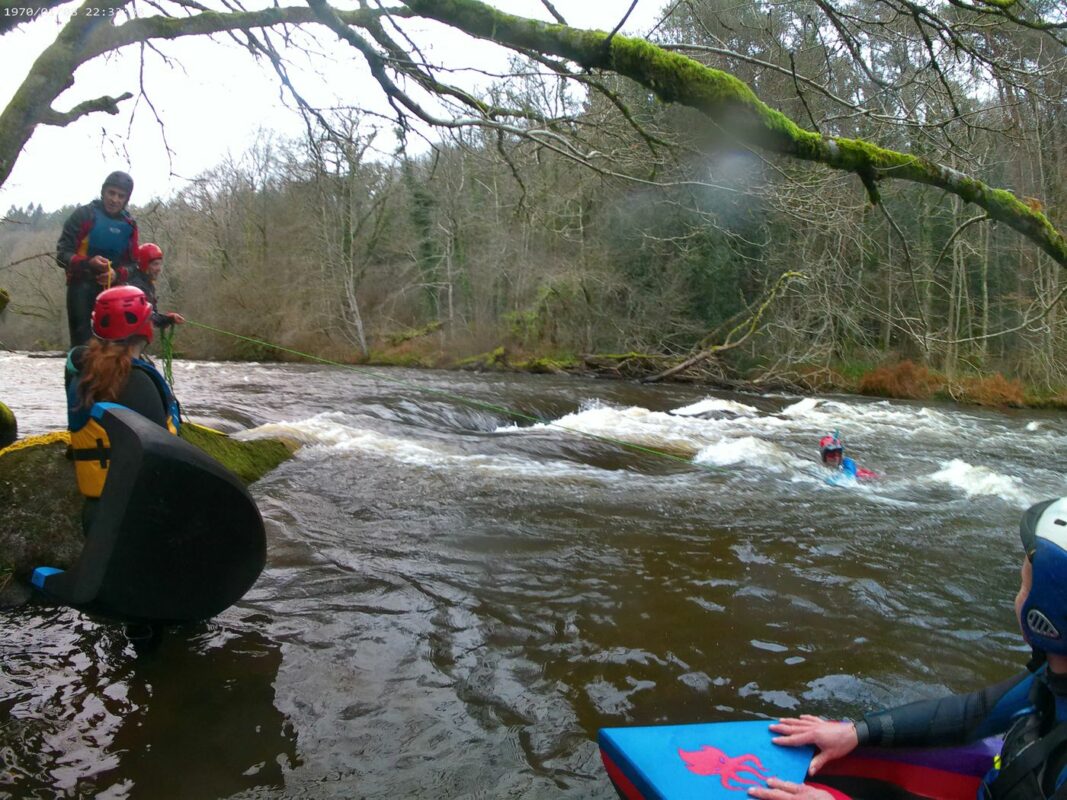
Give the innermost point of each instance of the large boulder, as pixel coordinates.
(9, 427)
(40, 506)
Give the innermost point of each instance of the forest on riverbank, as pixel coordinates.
(494, 250)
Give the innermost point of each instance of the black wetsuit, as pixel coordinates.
(1033, 695)
(141, 394)
(89, 232)
(148, 286)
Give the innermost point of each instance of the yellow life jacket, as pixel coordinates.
(92, 454)
(89, 442)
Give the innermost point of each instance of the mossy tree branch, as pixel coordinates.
(728, 102)
(19, 12)
(733, 106)
(106, 104)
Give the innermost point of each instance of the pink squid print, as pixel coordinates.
(747, 770)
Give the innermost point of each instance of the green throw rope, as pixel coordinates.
(166, 345)
(439, 393)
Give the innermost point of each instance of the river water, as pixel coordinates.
(455, 600)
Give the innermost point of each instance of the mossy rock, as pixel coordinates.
(250, 461)
(9, 427)
(414, 333)
(40, 510)
(40, 506)
(554, 366)
(493, 360)
(5, 298)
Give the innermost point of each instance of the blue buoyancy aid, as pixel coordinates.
(108, 236)
(1032, 746)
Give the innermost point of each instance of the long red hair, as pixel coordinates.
(104, 371)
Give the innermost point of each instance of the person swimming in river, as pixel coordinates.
(832, 450)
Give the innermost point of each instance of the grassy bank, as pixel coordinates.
(891, 378)
(900, 379)
(910, 381)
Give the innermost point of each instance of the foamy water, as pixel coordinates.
(779, 445)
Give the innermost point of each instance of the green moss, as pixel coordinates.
(250, 461)
(855, 154)
(40, 506)
(622, 356)
(40, 510)
(9, 428)
(413, 333)
(552, 365)
(493, 360)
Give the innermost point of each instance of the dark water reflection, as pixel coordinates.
(452, 607)
(87, 715)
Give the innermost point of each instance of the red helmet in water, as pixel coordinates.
(122, 312)
(830, 444)
(146, 254)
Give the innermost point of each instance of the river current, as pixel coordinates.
(456, 599)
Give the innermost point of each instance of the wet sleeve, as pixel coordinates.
(142, 396)
(949, 720)
(127, 268)
(141, 281)
(67, 247)
(135, 243)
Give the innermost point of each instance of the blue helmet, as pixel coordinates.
(1044, 613)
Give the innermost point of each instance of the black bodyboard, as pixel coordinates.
(176, 536)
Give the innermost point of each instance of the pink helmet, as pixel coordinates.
(122, 312)
(830, 443)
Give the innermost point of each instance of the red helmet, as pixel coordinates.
(122, 312)
(830, 444)
(147, 253)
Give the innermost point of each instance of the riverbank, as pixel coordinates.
(901, 379)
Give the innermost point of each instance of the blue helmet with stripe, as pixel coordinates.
(1044, 613)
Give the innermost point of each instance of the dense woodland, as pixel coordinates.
(651, 229)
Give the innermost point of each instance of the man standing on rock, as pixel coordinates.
(98, 249)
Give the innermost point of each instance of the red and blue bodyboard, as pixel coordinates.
(721, 761)
(709, 761)
(934, 773)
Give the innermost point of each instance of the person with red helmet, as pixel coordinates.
(832, 450)
(150, 259)
(149, 268)
(97, 249)
(112, 369)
